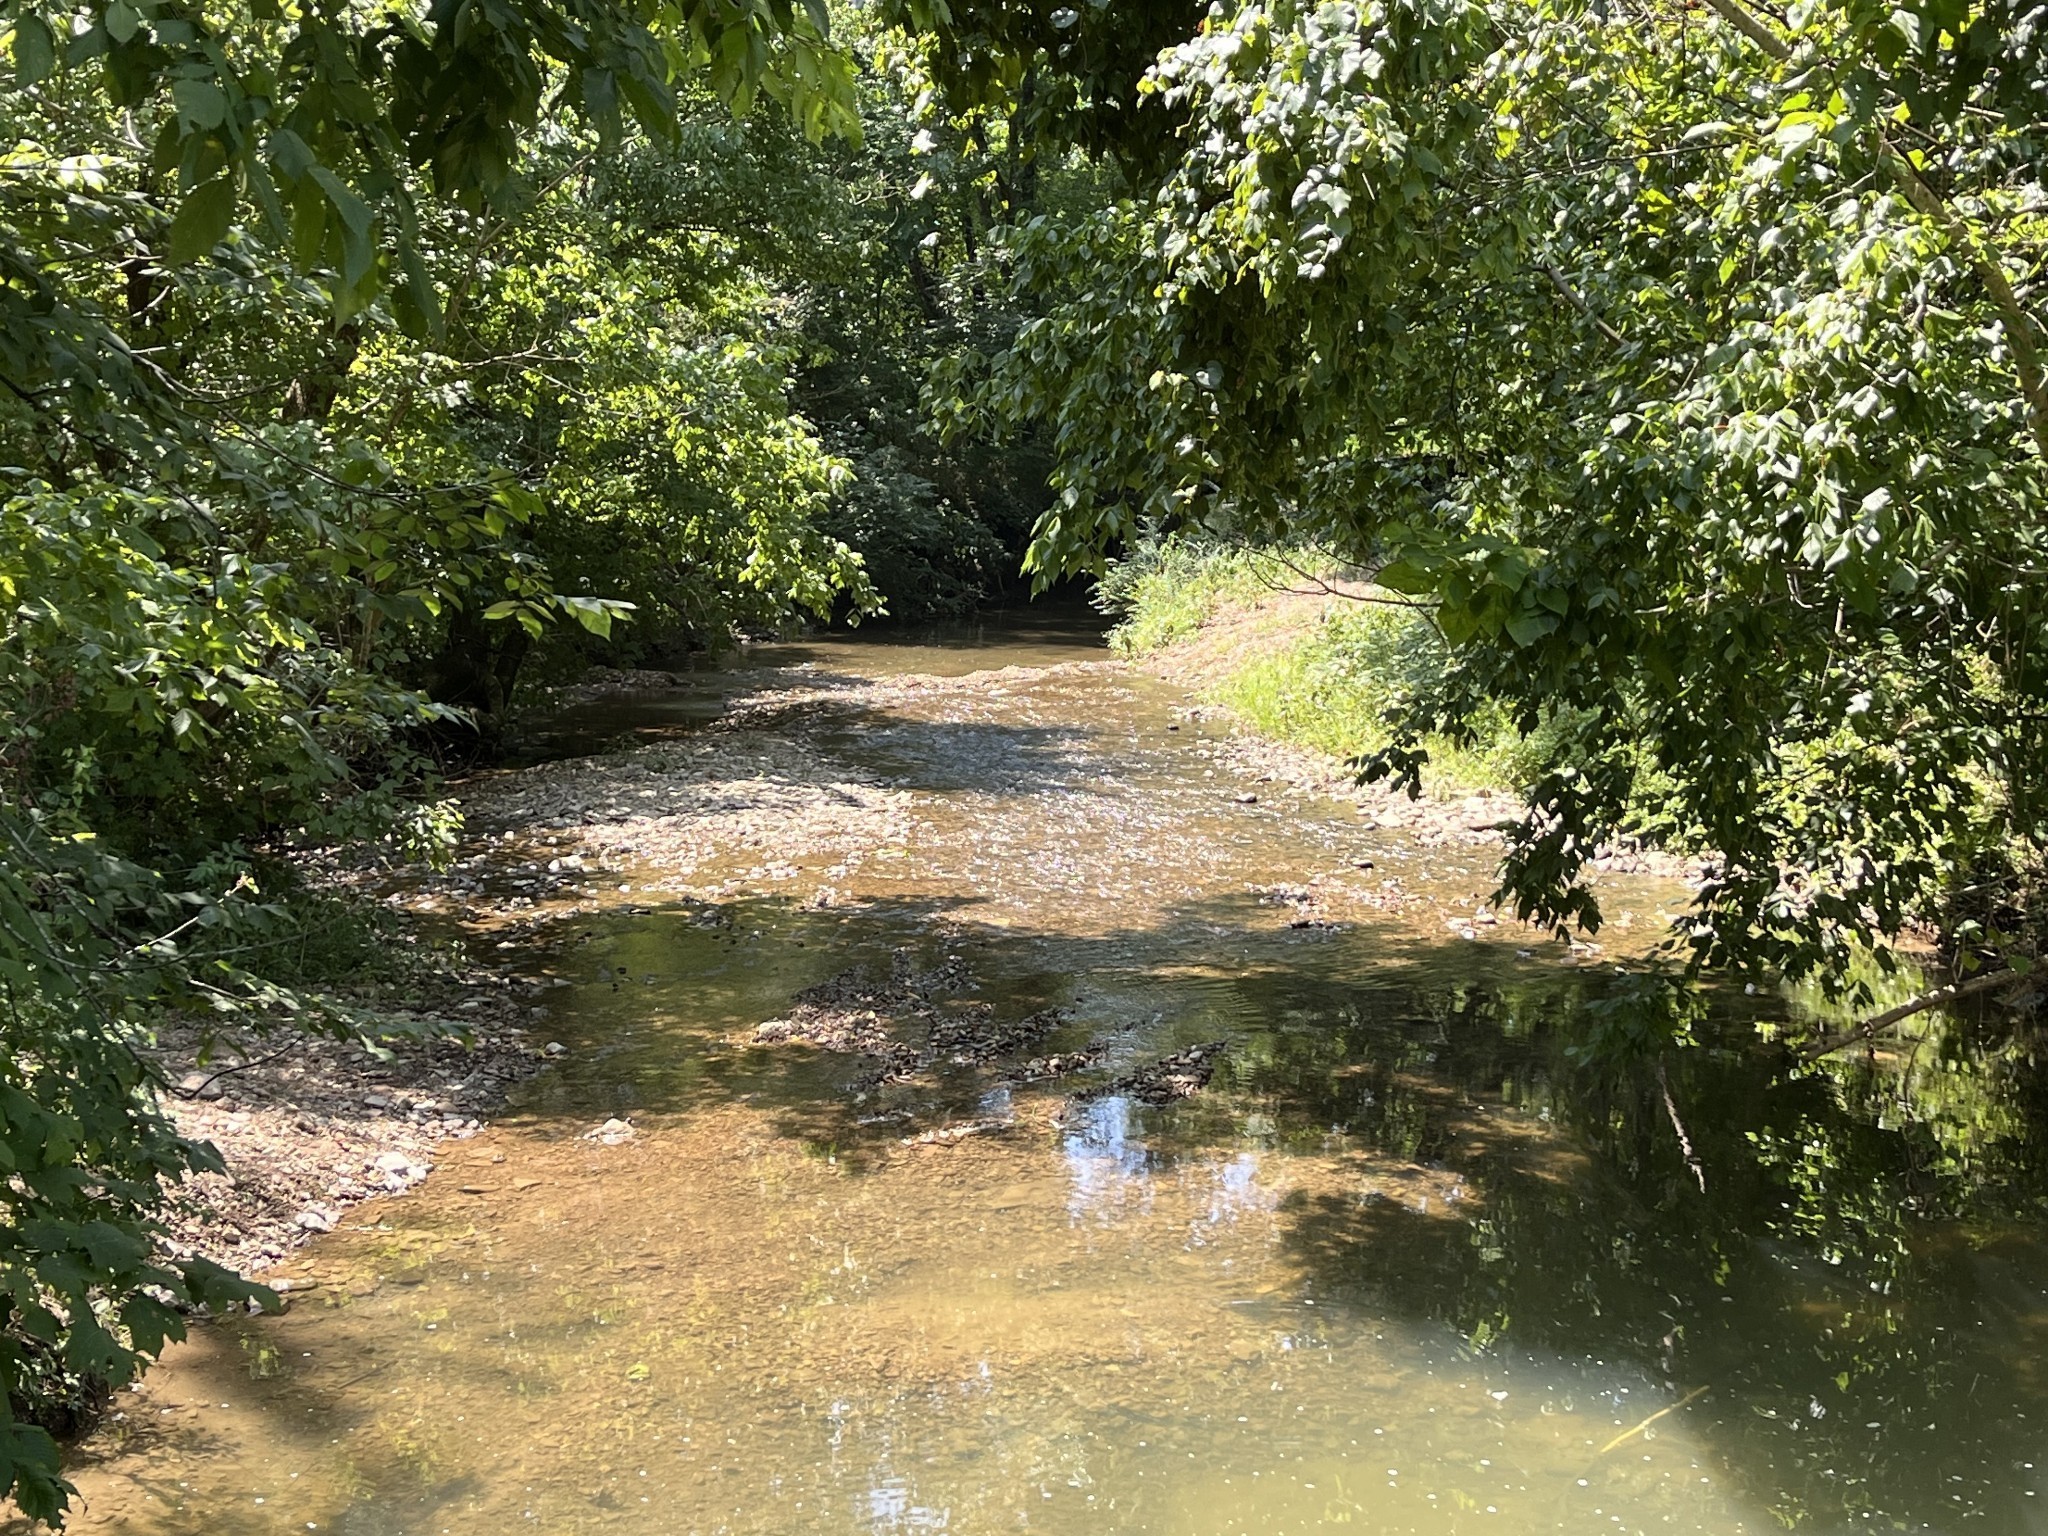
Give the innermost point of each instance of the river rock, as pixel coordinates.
(1171, 1078)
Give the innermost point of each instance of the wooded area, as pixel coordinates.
(363, 366)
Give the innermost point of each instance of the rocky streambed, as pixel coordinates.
(816, 786)
(967, 1088)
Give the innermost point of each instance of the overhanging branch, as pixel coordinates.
(2018, 327)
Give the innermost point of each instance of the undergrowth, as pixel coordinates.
(1327, 684)
(1165, 590)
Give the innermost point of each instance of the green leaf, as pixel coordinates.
(200, 103)
(290, 154)
(358, 253)
(35, 51)
(593, 614)
(202, 220)
(355, 213)
(1407, 578)
(28, 1457)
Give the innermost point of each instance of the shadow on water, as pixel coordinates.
(1417, 1259)
(1857, 1294)
(630, 716)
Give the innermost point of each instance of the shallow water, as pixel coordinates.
(1407, 1265)
(1041, 636)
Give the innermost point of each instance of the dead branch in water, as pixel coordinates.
(1989, 981)
(1692, 1159)
(1635, 1430)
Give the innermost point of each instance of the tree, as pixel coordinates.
(1680, 363)
(226, 583)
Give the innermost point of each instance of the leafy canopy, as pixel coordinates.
(1682, 361)
(269, 480)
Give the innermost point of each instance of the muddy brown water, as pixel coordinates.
(1415, 1261)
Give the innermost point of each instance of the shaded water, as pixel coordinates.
(1406, 1265)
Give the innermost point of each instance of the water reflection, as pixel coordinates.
(1107, 1165)
(889, 1508)
(1414, 1261)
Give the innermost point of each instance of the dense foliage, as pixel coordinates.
(358, 363)
(1679, 360)
(332, 381)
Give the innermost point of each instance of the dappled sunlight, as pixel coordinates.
(1399, 1257)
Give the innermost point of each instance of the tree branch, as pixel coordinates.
(1751, 26)
(1322, 586)
(2014, 320)
(1578, 302)
(1988, 981)
(2017, 324)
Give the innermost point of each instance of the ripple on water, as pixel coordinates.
(1404, 1265)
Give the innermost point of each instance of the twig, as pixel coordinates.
(1627, 1434)
(1692, 1159)
(1322, 585)
(195, 1092)
(1986, 982)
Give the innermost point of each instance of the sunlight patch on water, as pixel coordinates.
(1404, 1265)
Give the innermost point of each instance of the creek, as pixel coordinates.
(1409, 1262)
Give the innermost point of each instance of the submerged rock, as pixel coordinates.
(1059, 1064)
(978, 1036)
(1166, 1081)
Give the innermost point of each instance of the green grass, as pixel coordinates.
(1328, 686)
(1165, 592)
(1330, 689)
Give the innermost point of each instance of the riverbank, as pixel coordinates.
(1301, 667)
(309, 1125)
(983, 1089)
